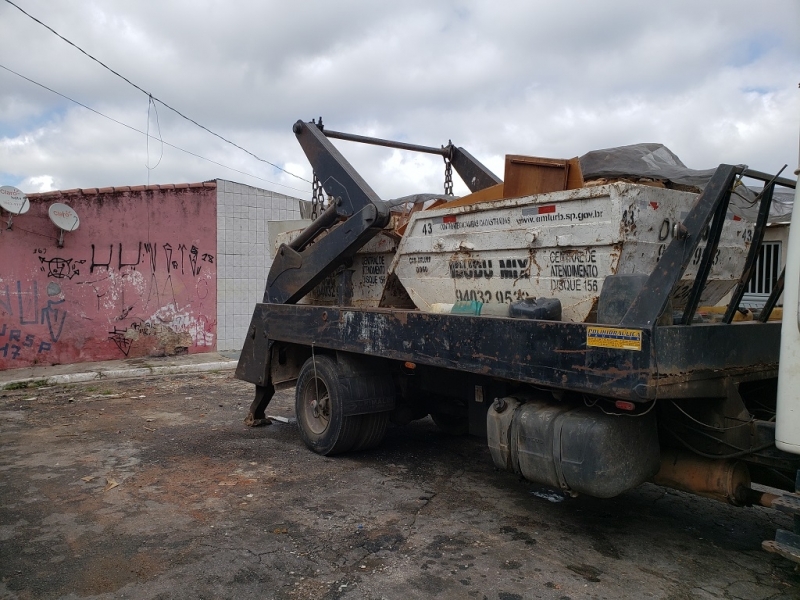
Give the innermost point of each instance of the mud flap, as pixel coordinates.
(255, 358)
(367, 387)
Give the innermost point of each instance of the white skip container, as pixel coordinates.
(367, 285)
(559, 245)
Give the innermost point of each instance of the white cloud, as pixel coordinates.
(713, 81)
(40, 183)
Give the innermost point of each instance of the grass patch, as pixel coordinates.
(25, 385)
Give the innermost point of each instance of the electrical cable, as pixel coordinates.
(97, 112)
(788, 480)
(147, 164)
(50, 237)
(712, 427)
(596, 403)
(715, 439)
(175, 110)
(719, 456)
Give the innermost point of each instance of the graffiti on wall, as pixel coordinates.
(175, 329)
(122, 278)
(149, 253)
(101, 298)
(29, 311)
(16, 340)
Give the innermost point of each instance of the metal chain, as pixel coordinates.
(317, 198)
(448, 177)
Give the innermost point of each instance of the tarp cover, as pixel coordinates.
(656, 161)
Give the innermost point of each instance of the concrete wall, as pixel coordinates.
(138, 277)
(244, 254)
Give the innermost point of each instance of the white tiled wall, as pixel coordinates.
(243, 257)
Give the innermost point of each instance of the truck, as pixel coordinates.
(566, 321)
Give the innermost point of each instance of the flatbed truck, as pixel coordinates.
(643, 393)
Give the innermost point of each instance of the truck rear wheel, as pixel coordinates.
(372, 430)
(319, 409)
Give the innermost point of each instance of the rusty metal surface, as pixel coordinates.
(787, 551)
(721, 480)
(546, 353)
(550, 353)
(787, 541)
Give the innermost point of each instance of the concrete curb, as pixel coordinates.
(101, 374)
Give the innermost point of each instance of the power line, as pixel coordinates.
(175, 110)
(97, 112)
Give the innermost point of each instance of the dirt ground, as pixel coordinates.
(154, 488)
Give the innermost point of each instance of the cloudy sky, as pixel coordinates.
(715, 81)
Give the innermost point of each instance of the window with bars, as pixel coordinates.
(765, 274)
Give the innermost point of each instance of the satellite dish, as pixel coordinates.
(14, 201)
(64, 218)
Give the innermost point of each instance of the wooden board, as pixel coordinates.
(528, 175)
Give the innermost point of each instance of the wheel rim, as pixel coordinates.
(316, 411)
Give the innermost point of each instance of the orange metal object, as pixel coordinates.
(717, 479)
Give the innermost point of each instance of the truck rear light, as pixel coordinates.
(624, 405)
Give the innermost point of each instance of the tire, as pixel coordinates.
(325, 430)
(372, 430)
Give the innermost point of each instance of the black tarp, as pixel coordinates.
(656, 161)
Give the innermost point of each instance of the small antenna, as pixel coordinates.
(64, 218)
(14, 201)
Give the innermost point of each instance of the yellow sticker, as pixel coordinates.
(611, 337)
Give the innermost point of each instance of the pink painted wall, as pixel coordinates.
(138, 277)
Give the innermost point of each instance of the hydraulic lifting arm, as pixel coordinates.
(298, 267)
(355, 215)
(471, 171)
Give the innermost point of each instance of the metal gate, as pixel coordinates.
(765, 274)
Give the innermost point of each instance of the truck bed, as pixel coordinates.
(627, 363)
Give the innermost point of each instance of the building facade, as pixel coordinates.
(151, 271)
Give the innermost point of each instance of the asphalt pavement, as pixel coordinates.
(152, 487)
